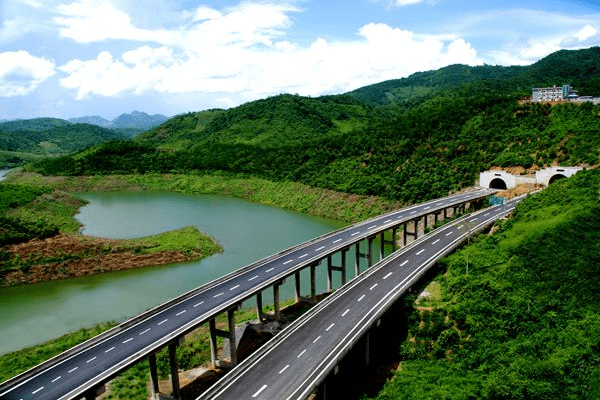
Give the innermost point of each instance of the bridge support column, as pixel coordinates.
(370, 251)
(298, 292)
(276, 309)
(358, 256)
(230, 335)
(331, 268)
(414, 233)
(94, 392)
(153, 376)
(259, 307)
(174, 370)
(390, 242)
(313, 282)
(382, 246)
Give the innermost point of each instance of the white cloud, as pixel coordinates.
(586, 32)
(88, 21)
(530, 50)
(401, 3)
(21, 73)
(260, 65)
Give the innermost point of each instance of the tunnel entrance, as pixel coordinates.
(556, 178)
(498, 184)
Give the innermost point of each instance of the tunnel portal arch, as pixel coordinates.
(498, 183)
(556, 178)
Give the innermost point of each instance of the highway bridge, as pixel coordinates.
(83, 370)
(296, 361)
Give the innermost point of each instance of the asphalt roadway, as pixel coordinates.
(293, 364)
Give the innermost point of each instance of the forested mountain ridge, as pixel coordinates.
(51, 136)
(580, 68)
(460, 121)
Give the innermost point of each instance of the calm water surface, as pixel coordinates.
(248, 232)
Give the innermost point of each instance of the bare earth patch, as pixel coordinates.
(80, 256)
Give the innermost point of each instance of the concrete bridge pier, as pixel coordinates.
(230, 335)
(414, 233)
(331, 268)
(153, 376)
(174, 370)
(94, 392)
(358, 255)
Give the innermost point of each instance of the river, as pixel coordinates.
(32, 314)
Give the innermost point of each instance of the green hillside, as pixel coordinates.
(524, 323)
(47, 136)
(411, 139)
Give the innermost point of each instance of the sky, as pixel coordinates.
(73, 58)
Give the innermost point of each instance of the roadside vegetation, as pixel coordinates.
(524, 323)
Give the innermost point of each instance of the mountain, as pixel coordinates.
(134, 122)
(51, 136)
(138, 120)
(409, 139)
(92, 120)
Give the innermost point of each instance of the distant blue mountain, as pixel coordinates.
(92, 120)
(139, 121)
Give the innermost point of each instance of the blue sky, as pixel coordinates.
(68, 58)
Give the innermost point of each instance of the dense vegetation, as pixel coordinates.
(14, 229)
(379, 140)
(525, 322)
(47, 136)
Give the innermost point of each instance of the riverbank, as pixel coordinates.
(41, 239)
(287, 195)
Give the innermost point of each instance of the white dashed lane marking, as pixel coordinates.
(301, 353)
(320, 248)
(373, 287)
(181, 312)
(346, 312)
(235, 287)
(90, 360)
(303, 255)
(287, 262)
(328, 328)
(260, 391)
(420, 252)
(128, 340)
(71, 370)
(361, 297)
(166, 319)
(404, 263)
(270, 269)
(141, 333)
(435, 241)
(35, 391)
(57, 378)
(355, 233)
(253, 278)
(449, 233)
(111, 349)
(220, 294)
(317, 339)
(284, 368)
(388, 275)
(337, 241)
(197, 304)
